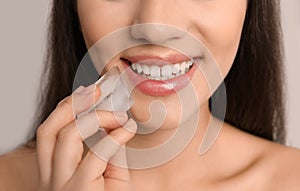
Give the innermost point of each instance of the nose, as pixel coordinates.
(156, 22)
(155, 33)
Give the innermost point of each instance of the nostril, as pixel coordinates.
(155, 33)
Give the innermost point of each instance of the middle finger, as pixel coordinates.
(69, 146)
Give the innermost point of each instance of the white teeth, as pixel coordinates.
(146, 69)
(155, 71)
(139, 68)
(164, 72)
(182, 66)
(133, 66)
(154, 78)
(175, 68)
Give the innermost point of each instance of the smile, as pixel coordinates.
(165, 72)
(159, 76)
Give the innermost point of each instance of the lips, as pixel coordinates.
(159, 76)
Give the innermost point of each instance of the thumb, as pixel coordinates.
(116, 175)
(95, 162)
(117, 167)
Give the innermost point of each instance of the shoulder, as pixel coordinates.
(271, 165)
(18, 170)
(283, 165)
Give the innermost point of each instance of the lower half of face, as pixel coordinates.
(174, 76)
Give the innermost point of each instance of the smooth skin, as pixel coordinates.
(237, 160)
(59, 137)
(203, 19)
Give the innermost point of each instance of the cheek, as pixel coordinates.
(99, 18)
(220, 30)
(224, 47)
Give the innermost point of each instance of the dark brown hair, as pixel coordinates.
(254, 85)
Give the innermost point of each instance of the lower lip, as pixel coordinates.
(157, 87)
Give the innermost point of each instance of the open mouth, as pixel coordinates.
(159, 70)
(160, 75)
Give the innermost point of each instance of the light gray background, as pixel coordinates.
(22, 45)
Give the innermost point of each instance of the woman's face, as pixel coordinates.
(216, 23)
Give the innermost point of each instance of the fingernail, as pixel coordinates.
(89, 89)
(130, 126)
(121, 117)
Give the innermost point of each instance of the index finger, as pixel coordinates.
(60, 117)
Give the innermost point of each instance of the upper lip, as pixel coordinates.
(166, 59)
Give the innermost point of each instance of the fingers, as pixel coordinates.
(117, 178)
(61, 116)
(65, 111)
(59, 140)
(94, 164)
(69, 147)
(99, 119)
(118, 168)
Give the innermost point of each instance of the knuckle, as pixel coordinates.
(42, 131)
(63, 135)
(65, 102)
(116, 137)
(67, 134)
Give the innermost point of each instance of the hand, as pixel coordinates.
(60, 147)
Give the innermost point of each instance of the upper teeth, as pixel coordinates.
(162, 72)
